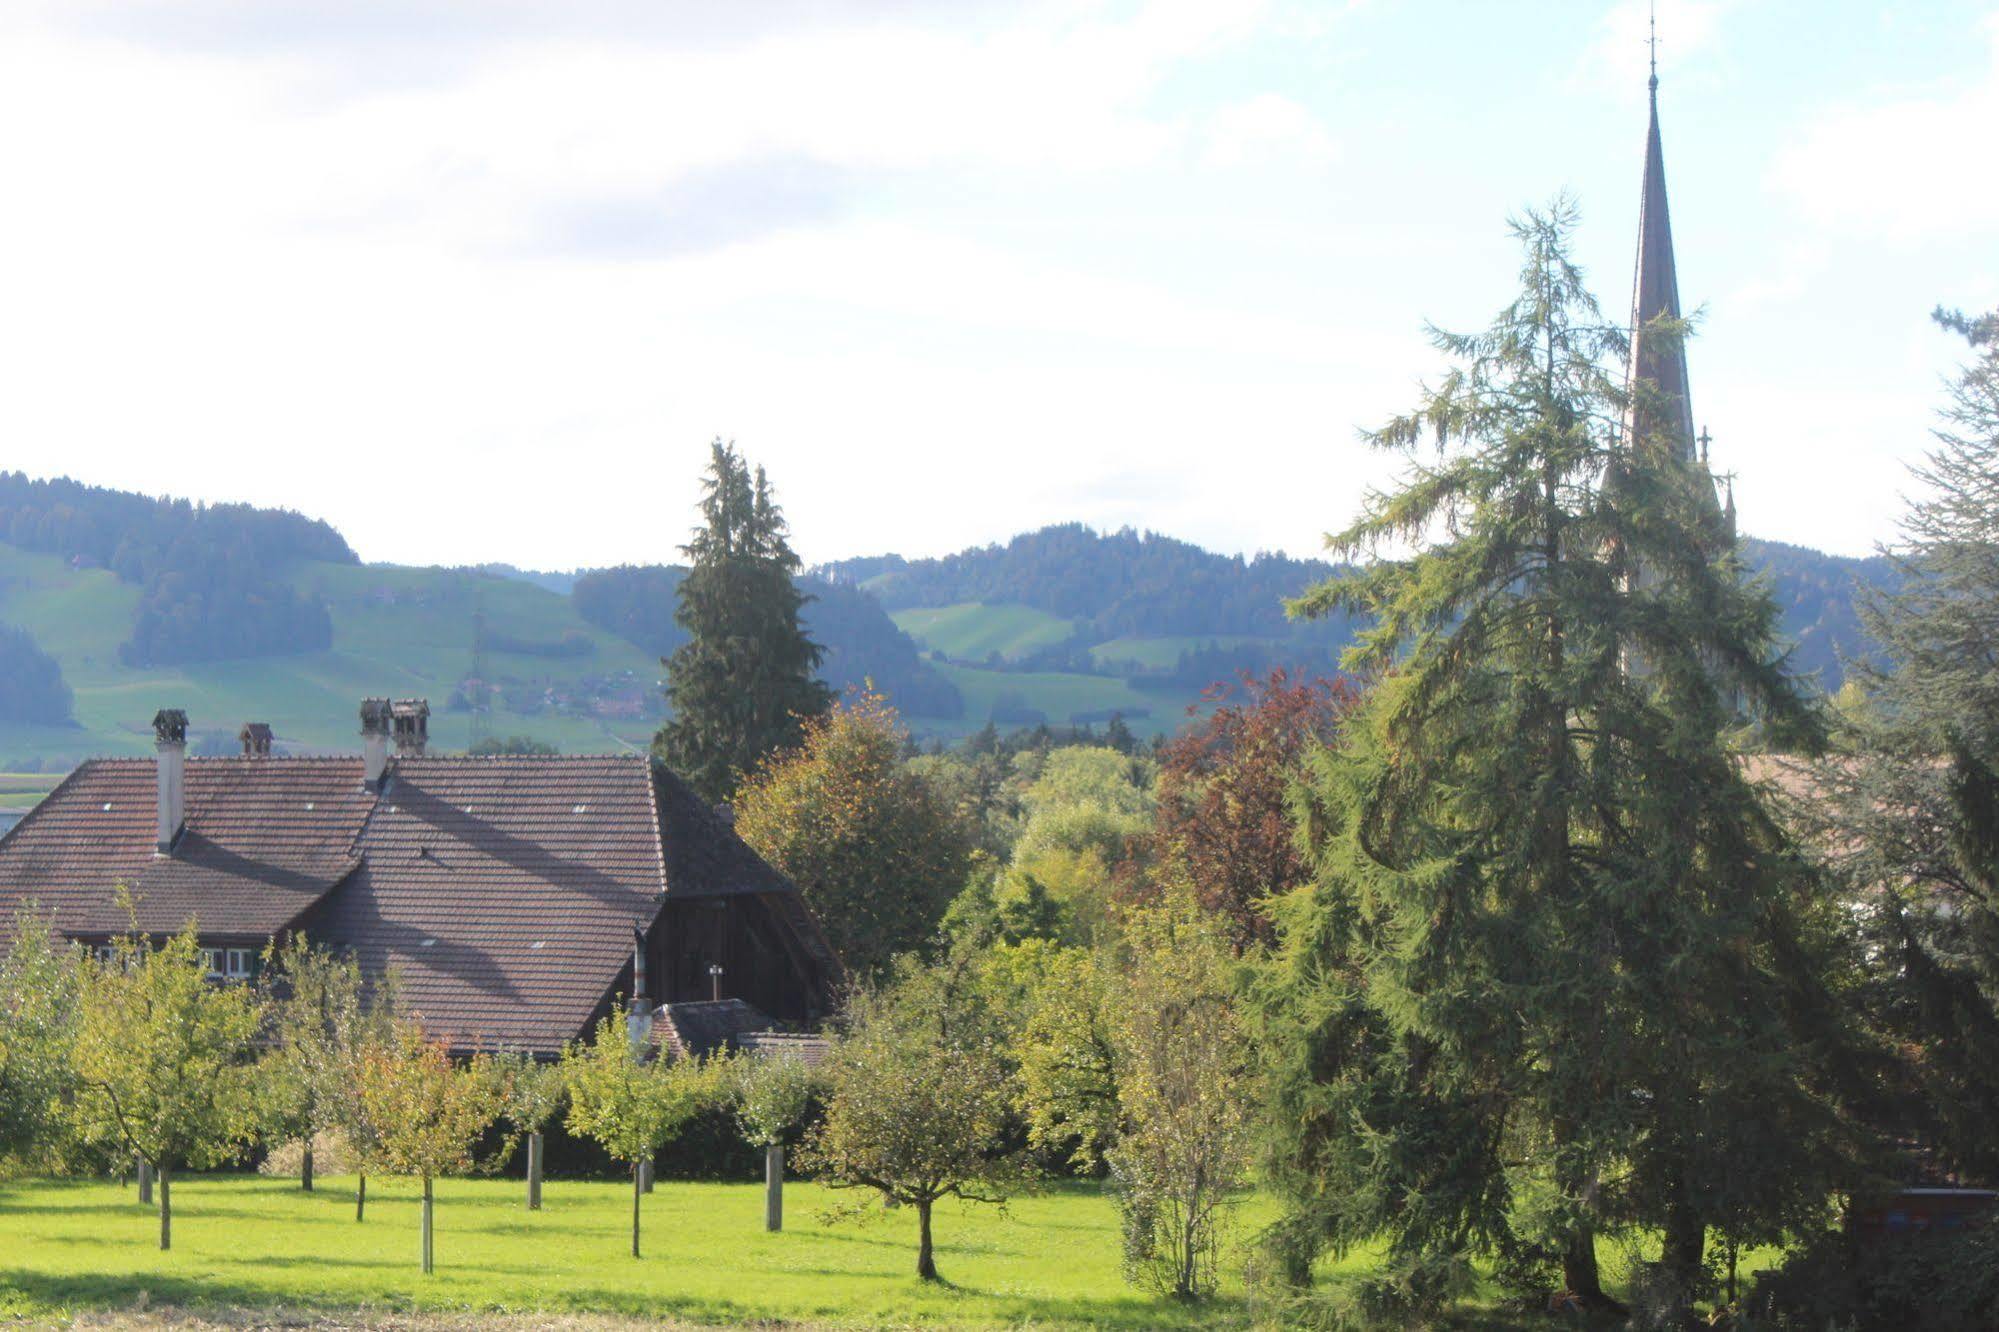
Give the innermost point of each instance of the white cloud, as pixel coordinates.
(1267, 129)
(1905, 168)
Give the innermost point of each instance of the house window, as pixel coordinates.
(231, 964)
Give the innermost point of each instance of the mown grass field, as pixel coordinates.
(972, 631)
(1050, 1259)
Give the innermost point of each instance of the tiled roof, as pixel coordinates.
(503, 890)
(811, 1050)
(264, 839)
(703, 1026)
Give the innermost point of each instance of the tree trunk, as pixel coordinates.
(1685, 1245)
(926, 1261)
(534, 1171)
(774, 1186)
(638, 1191)
(145, 1182)
(305, 1167)
(360, 1194)
(166, 1210)
(427, 1264)
(1579, 1270)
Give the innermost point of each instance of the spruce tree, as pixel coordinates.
(743, 684)
(1554, 942)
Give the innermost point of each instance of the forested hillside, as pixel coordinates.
(211, 577)
(1163, 613)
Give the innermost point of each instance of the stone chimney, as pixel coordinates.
(374, 741)
(170, 739)
(411, 717)
(256, 738)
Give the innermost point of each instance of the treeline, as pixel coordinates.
(31, 684)
(1144, 585)
(637, 602)
(209, 574)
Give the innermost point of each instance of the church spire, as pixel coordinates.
(1656, 290)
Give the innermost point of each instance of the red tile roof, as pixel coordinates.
(503, 890)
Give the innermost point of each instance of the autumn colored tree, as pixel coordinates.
(875, 851)
(1225, 825)
(427, 1111)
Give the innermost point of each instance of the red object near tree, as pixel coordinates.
(1225, 819)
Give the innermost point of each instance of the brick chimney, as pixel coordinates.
(256, 738)
(411, 718)
(170, 739)
(374, 741)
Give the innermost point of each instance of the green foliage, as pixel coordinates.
(316, 1016)
(426, 1110)
(919, 1095)
(1940, 1283)
(773, 1094)
(38, 1020)
(625, 1102)
(744, 683)
(875, 851)
(1185, 1093)
(513, 744)
(1555, 940)
(162, 1059)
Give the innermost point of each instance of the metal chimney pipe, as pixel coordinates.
(170, 740)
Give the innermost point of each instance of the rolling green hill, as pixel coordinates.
(974, 632)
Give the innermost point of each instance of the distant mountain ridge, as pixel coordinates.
(1125, 586)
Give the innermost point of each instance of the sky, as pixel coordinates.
(479, 280)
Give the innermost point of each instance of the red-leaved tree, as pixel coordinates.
(1224, 821)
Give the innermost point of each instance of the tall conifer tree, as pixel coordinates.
(743, 683)
(1554, 941)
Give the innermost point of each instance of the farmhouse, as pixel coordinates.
(518, 899)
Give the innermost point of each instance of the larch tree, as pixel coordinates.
(1906, 812)
(162, 1059)
(745, 681)
(426, 1112)
(1553, 930)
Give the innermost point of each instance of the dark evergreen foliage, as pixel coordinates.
(210, 574)
(862, 644)
(1559, 972)
(31, 683)
(745, 681)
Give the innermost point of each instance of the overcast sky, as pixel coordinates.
(479, 279)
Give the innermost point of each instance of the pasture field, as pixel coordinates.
(86, 1250)
(972, 631)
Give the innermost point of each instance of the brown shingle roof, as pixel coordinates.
(503, 890)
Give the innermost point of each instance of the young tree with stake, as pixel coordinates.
(530, 1091)
(426, 1112)
(314, 999)
(773, 1094)
(162, 1059)
(38, 1018)
(630, 1104)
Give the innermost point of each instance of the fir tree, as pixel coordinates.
(743, 684)
(1553, 940)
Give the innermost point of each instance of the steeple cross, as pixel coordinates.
(1704, 443)
(1652, 42)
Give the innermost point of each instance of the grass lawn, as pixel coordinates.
(971, 630)
(249, 1242)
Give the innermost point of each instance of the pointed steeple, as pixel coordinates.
(1656, 291)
